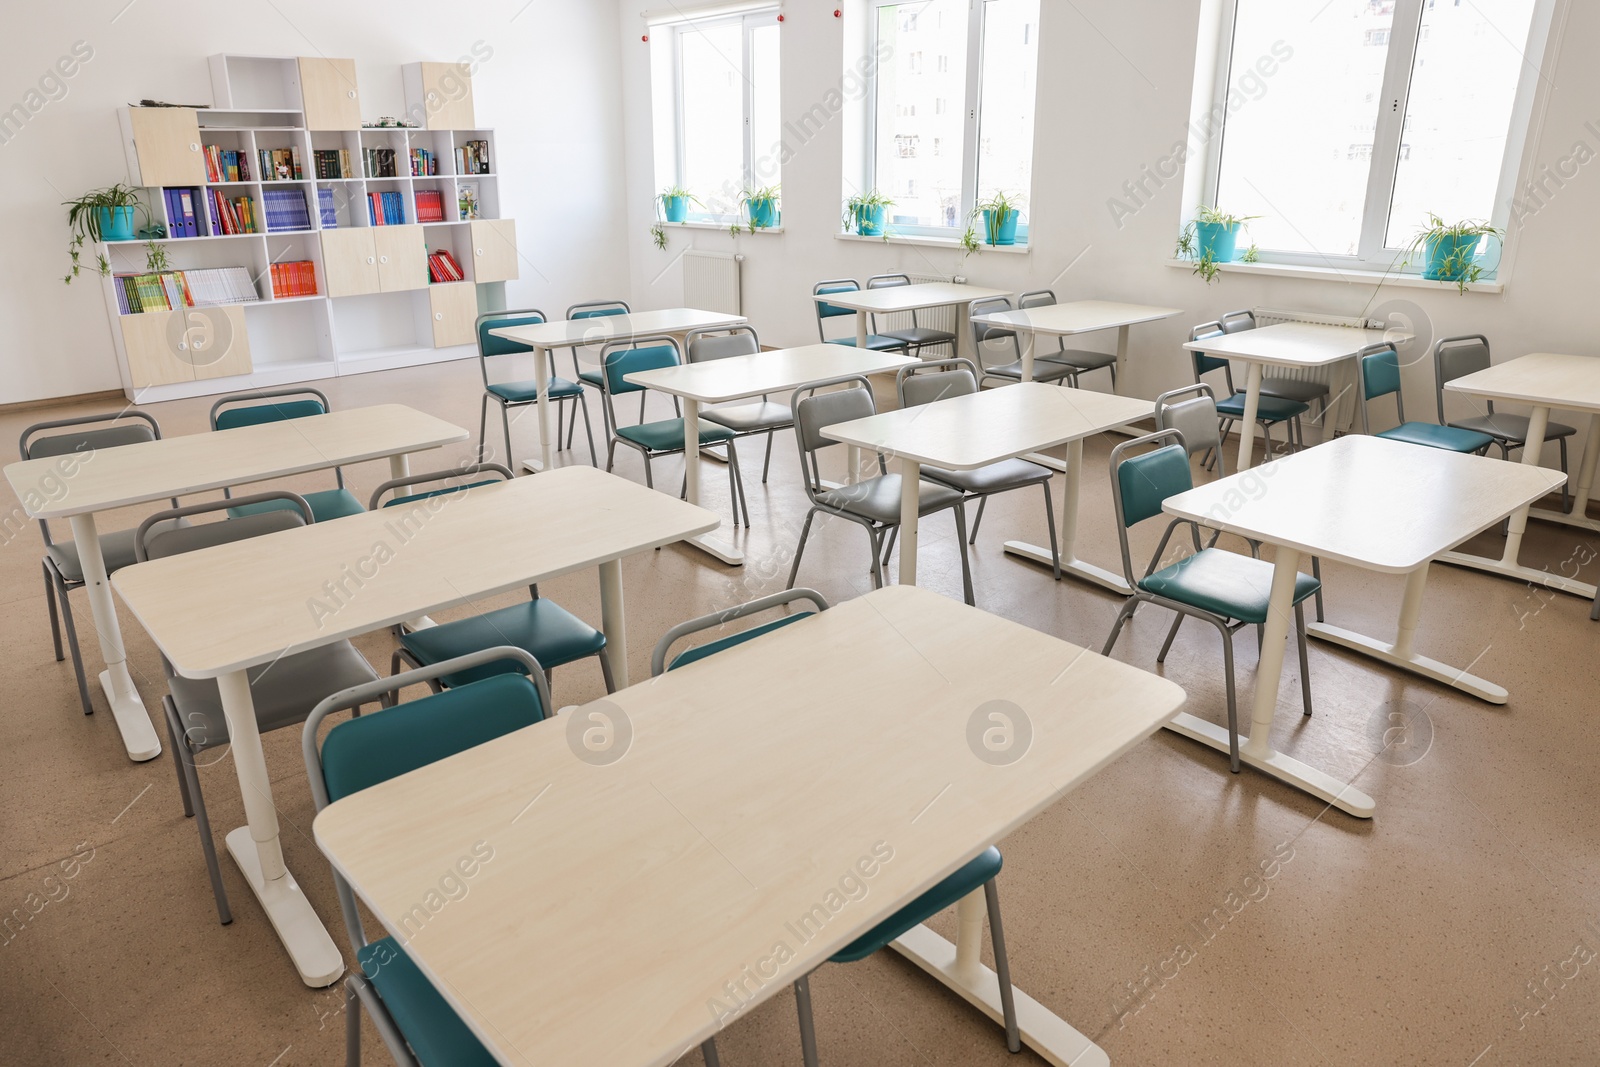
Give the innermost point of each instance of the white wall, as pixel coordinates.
(550, 89)
(1115, 80)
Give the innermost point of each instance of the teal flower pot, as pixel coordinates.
(1003, 234)
(1448, 259)
(869, 220)
(763, 214)
(1217, 240)
(116, 223)
(676, 207)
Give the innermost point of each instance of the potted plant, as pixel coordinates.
(762, 205)
(1450, 250)
(100, 215)
(1211, 239)
(863, 214)
(674, 201)
(1000, 214)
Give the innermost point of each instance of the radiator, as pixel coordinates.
(1340, 378)
(711, 281)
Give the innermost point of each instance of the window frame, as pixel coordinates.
(1383, 165)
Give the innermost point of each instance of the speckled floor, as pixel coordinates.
(1459, 927)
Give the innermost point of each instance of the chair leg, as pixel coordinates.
(352, 1024)
(71, 627)
(877, 564)
(1161, 657)
(202, 823)
(1305, 662)
(588, 430)
(483, 424)
(505, 423)
(1116, 627)
(983, 502)
(649, 474)
(961, 545)
(1566, 494)
(1002, 967)
(808, 1031)
(1050, 524)
(708, 1052)
(1233, 699)
(888, 544)
(560, 422)
(800, 549)
(1316, 572)
(175, 742)
(55, 622)
(766, 466)
(611, 454)
(572, 423)
(605, 671)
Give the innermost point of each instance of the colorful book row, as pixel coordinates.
(298, 278)
(442, 267)
(170, 290)
(386, 209)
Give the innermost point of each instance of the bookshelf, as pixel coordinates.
(368, 299)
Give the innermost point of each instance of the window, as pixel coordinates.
(717, 120)
(1344, 123)
(976, 106)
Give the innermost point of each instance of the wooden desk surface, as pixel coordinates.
(965, 432)
(1545, 378)
(739, 377)
(220, 609)
(1378, 504)
(1077, 316)
(622, 899)
(195, 463)
(1307, 344)
(894, 298)
(562, 333)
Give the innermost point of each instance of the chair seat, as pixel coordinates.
(283, 691)
(116, 549)
(528, 391)
(551, 633)
(750, 418)
(667, 435)
(591, 377)
(878, 498)
(1512, 429)
(711, 648)
(1223, 583)
(1293, 389)
(1429, 435)
(877, 342)
(992, 477)
(1078, 358)
(922, 335)
(1043, 371)
(325, 505)
(967, 879)
(1269, 409)
(430, 1026)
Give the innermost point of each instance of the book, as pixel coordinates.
(467, 199)
(430, 205)
(327, 213)
(442, 267)
(472, 157)
(379, 163)
(285, 209)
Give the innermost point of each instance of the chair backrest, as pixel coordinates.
(887, 281)
(826, 310)
(490, 345)
(1456, 357)
(721, 343)
(239, 409)
(173, 539)
(814, 409)
(118, 428)
(1379, 369)
(595, 308)
(1204, 364)
(1238, 321)
(935, 379)
(982, 331)
(1192, 411)
(1037, 298)
(362, 752)
(485, 473)
(1140, 484)
(619, 361)
(658, 659)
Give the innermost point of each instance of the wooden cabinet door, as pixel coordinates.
(494, 250)
(328, 90)
(447, 97)
(167, 140)
(217, 340)
(453, 307)
(152, 358)
(402, 257)
(169, 347)
(349, 262)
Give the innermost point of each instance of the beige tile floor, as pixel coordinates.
(1459, 927)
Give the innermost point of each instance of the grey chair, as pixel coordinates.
(934, 380)
(1455, 357)
(874, 503)
(747, 418)
(658, 658)
(983, 333)
(63, 568)
(1080, 360)
(1304, 392)
(284, 691)
(917, 336)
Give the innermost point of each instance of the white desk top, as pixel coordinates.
(894, 298)
(1077, 316)
(1540, 378)
(220, 609)
(1378, 504)
(196, 463)
(964, 432)
(562, 333)
(739, 377)
(646, 885)
(1306, 344)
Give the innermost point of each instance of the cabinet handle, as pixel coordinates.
(439, 315)
(351, 94)
(383, 259)
(480, 251)
(369, 259)
(193, 147)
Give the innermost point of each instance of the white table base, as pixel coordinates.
(132, 719)
(712, 546)
(1286, 769)
(1067, 533)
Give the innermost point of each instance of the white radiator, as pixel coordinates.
(711, 281)
(1340, 378)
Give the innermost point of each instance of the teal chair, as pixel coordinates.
(977, 873)
(592, 309)
(662, 437)
(240, 409)
(1305, 391)
(1270, 410)
(1380, 376)
(1223, 588)
(544, 629)
(877, 342)
(563, 393)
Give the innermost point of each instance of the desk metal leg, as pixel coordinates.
(1258, 751)
(611, 621)
(133, 721)
(706, 543)
(910, 505)
(255, 848)
(1252, 405)
(541, 378)
(1067, 534)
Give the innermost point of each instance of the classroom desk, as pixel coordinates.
(921, 296)
(656, 880)
(177, 466)
(1286, 344)
(1072, 318)
(719, 381)
(966, 432)
(217, 611)
(1543, 380)
(545, 337)
(1381, 505)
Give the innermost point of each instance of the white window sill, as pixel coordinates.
(1342, 274)
(724, 227)
(934, 242)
